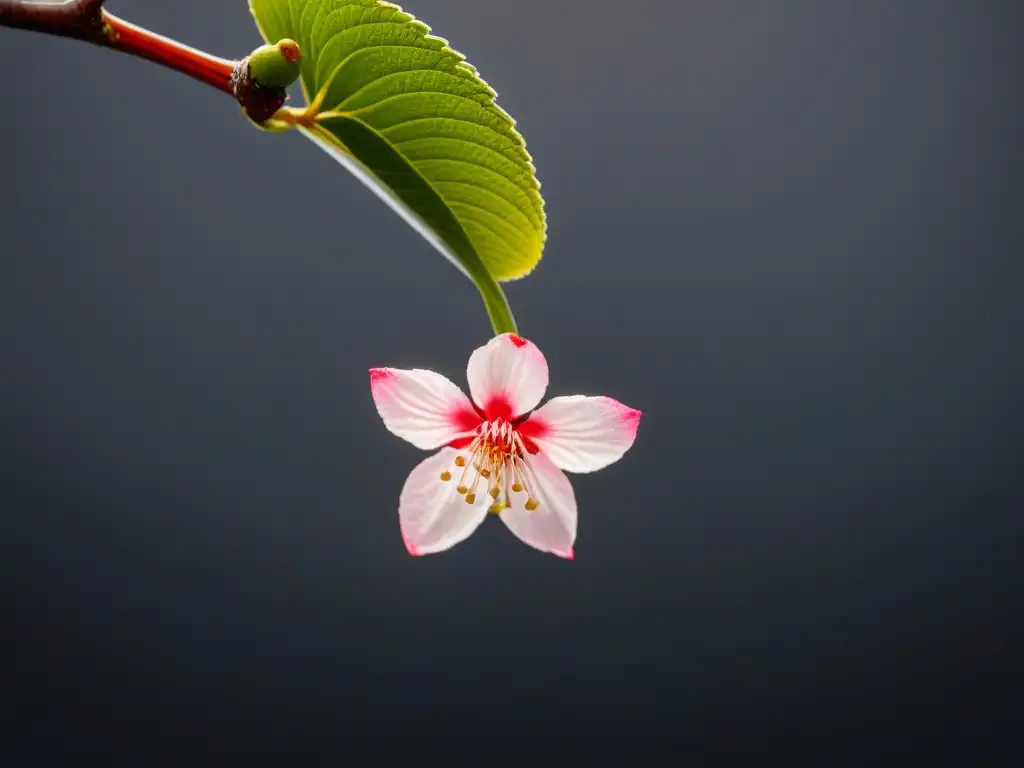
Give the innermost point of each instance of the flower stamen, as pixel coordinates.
(495, 457)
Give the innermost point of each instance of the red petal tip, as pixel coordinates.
(413, 552)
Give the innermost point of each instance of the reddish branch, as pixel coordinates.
(87, 20)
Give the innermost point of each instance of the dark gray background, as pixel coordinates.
(789, 232)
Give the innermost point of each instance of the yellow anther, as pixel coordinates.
(462, 489)
(494, 509)
(485, 473)
(470, 498)
(532, 504)
(460, 461)
(446, 476)
(495, 492)
(517, 487)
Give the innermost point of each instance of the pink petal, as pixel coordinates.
(422, 407)
(432, 515)
(507, 377)
(551, 527)
(582, 434)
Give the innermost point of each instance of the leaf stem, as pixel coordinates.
(498, 309)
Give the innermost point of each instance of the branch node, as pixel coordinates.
(259, 102)
(260, 79)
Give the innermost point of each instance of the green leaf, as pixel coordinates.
(414, 121)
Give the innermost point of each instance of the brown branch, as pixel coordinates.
(80, 19)
(86, 20)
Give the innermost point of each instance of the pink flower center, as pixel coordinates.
(494, 464)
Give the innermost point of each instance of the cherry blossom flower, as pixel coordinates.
(497, 454)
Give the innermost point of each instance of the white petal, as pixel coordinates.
(422, 407)
(507, 377)
(551, 527)
(582, 434)
(432, 515)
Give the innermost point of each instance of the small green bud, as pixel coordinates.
(275, 66)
